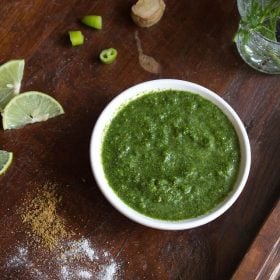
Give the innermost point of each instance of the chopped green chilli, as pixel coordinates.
(93, 21)
(108, 56)
(76, 38)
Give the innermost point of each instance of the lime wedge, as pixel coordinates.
(6, 159)
(30, 107)
(11, 74)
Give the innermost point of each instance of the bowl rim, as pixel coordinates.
(136, 91)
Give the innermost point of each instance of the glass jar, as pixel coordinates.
(255, 49)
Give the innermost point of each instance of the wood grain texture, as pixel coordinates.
(193, 42)
(262, 261)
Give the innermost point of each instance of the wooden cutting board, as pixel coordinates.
(262, 261)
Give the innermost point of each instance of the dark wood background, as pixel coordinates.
(193, 42)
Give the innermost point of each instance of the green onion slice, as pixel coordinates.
(76, 37)
(108, 56)
(93, 21)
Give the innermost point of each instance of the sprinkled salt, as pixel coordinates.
(88, 250)
(105, 254)
(22, 260)
(80, 248)
(84, 274)
(19, 259)
(74, 260)
(108, 272)
(64, 272)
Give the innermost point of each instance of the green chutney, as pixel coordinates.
(171, 155)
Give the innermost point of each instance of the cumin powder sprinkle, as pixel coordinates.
(40, 215)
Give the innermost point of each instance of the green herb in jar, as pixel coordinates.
(263, 19)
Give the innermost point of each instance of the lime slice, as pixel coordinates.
(6, 159)
(11, 74)
(30, 107)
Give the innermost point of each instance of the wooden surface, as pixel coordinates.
(192, 42)
(262, 261)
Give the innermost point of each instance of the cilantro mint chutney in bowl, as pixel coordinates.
(170, 154)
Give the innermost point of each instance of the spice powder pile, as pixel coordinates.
(40, 215)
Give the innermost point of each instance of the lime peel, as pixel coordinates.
(30, 107)
(6, 159)
(11, 74)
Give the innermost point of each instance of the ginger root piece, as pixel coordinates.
(146, 13)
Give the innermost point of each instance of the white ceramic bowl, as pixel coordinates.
(108, 114)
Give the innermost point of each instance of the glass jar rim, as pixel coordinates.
(261, 36)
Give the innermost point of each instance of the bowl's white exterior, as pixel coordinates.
(165, 84)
